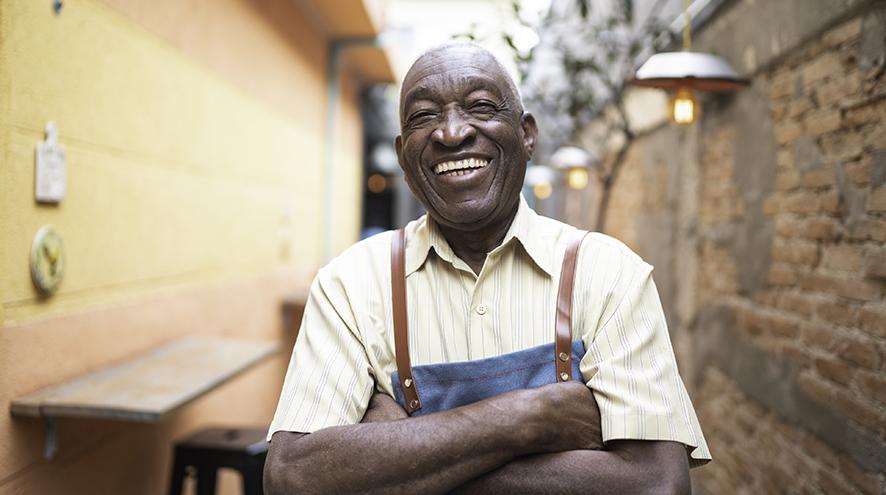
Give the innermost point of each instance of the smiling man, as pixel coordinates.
(519, 326)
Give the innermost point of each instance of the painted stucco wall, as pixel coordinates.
(194, 135)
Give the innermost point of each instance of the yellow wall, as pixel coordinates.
(194, 133)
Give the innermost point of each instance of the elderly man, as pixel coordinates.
(519, 326)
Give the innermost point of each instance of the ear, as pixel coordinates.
(398, 147)
(530, 134)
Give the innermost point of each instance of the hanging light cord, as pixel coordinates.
(687, 27)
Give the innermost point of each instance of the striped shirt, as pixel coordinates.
(345, 348)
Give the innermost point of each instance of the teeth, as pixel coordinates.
(460, 167)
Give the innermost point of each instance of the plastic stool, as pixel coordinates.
(241, 449)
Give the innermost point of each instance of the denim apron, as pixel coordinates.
(448, 385)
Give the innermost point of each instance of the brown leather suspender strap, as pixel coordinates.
(563, 324)
(401, 323)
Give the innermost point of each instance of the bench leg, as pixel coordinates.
(206, 481)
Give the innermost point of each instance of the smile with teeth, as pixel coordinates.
(460, 167)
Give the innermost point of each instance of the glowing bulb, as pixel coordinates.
(376, 183)
(577, 178)
(542, 190)
(685, 106)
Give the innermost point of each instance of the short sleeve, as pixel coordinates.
(632, 369)
(328, 382)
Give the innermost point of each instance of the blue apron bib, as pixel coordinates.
(438, 387)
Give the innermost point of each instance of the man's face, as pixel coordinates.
(464, 141)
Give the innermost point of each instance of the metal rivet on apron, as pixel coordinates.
(407, 382)
(414, 403)
(564, 356)
(564, 376)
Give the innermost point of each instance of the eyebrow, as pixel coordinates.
(474, 83)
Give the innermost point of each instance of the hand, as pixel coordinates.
(558, 417)
(382, 408)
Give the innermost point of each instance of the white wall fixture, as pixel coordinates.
(50, 177)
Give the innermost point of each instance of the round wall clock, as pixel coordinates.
(47, 260)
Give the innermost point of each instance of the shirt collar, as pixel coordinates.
(528, 229)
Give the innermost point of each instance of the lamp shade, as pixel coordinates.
(569, 157)
(701, 71)
(538, 174)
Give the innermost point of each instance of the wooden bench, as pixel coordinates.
(146, 388)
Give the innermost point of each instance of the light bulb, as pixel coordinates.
(542, 190)
(376, 183)
(577, 178)
(685, 106)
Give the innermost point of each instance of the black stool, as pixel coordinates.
(242, 449)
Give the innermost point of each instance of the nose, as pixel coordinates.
(453, 130)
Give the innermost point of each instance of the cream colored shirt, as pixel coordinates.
(345, 348)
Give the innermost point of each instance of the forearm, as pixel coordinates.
(429, 454)
(632, 467)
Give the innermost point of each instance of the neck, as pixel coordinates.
(472, 246)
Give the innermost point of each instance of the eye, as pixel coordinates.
(420, 117)
(484, 107)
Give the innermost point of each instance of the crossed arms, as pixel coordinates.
(544, 440)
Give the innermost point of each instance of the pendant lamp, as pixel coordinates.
(685, 72)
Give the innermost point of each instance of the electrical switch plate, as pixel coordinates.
(49, 171)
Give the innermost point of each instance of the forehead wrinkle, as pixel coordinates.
(473, 82)
(457, 57)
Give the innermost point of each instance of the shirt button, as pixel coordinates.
(481, 309)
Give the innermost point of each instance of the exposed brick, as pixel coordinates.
(816, 388)
(829, 202)
(859, 352)
(772, 204)
(840, 313)
(873, 385)
(859, 172)
(784, 159)
(787, 131)
(780, 109)
(819, 336)
(787, 181)
(784, 327)
(868, 483)
(834, 370)
(864, 113)
(816, 282)
(874, 135)
(843, 257)
(847, 31)
(859, 290)
(872, 320)
(842, 146)
(796, 353)
(823, 122)
(833, 484)
(819, 450)
(836, 90)
(819, 228)
(782, 275)
(805, 202)
(818, 178)
(823, 66)
(781, 85)
(875, 265)
(797, 303)
(865, 415)
(877, 200)
(869, 229)
(796, 108)
(796, 252)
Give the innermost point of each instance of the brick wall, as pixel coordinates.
(779, 197)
